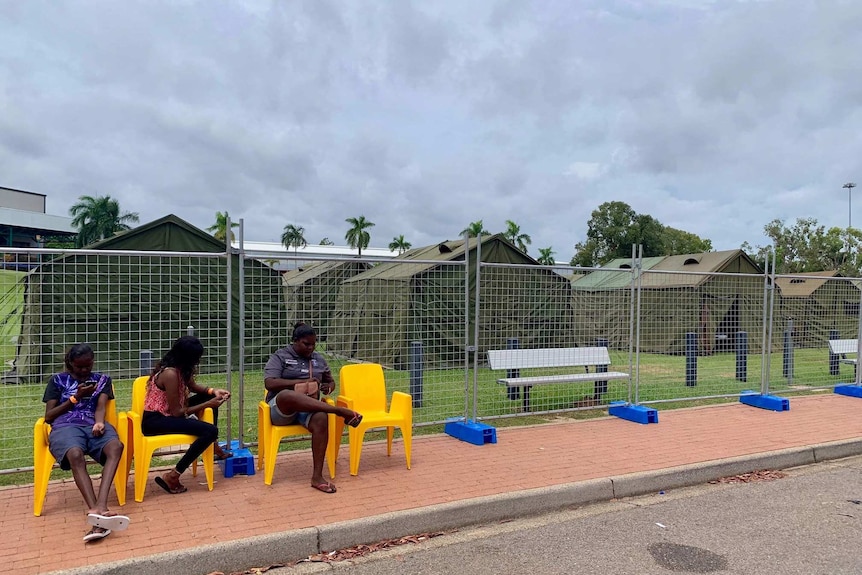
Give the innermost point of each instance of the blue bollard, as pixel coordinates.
(146, 362)
(416, 372)
(787, 366)
(742, 356)
(690, 359)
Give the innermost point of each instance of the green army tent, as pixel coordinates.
(311, 291)
(813, 304)
(712, 294)
(420, 297)
(125, 303)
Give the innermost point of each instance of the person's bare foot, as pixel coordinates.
(220, 454)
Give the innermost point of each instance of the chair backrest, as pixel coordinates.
(139, 392)
(111, 412)
(365, 384)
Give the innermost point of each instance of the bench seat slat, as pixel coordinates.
(570, 378)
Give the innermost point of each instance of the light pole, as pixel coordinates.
(849, 186)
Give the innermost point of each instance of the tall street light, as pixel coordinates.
(849, 186)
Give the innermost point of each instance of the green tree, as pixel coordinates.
(614, 227)
(293, 237)
(99, 218)
(219, 228)
(809, 247)
(475, 229)
(327, 242)
(546, 256)
(514, 235)
(357, 236)
(681, 242)
(399, 244)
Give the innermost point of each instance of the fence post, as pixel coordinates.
(513, 392)
(742, 356)
(690, 359)
(416, 372)
(146, 362)
(787, 367)
(601, 387)
(833, 357)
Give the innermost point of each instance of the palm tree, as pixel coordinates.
(219, 228)
(99, 218)
(400, 244)
(546, 256)
(514, 235)
(327, 242)
(293, 237)
(356, 236)
(475, 229)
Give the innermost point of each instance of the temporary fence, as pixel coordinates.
(429, 321)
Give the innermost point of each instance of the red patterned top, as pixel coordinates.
(157, 399)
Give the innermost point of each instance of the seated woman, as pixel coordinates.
(167, 409)
(294, 377)
(75, 403)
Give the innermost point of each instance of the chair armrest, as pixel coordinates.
(207, 415)
(40, 432)
(401, 403)
(344, 401)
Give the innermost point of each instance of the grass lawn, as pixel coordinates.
(662, 378)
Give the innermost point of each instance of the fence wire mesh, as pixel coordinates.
(668, 335)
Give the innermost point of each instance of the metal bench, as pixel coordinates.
(843, 347)
(514, 360)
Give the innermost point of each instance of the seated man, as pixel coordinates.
(75, 403)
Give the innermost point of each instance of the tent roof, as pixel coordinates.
(803, 284)
(314, 270)
(448, 251)
(613, 279)
(169, 233)
(701, 264)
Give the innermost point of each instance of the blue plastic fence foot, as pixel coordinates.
(772, 402)
(240, 463)
(848, 389)
(471, 431)
(636, 413)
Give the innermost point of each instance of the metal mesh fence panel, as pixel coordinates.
(535, 308)
(407, 316)
(810, 310)
(700, 335)
(129, 306)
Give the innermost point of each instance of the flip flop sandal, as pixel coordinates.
(223, 456)
(173, 491)
(355, 421)
(326, 487)
(109, 522)
(96, 533)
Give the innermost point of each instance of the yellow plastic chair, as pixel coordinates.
(363, 389)
(43, 461)
(145, 445)
(269, 437)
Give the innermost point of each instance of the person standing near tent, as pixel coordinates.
(295, 376)
(75, 405)
(167, 408)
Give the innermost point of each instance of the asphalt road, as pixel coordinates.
(808, 523)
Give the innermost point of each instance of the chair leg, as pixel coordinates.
(41, 475)
(209, 464)
(356, 437)
(142, 470)
(390, 433)
(334, 442)
(407, 438)
(271, 456)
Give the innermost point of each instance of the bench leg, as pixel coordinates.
(526, 393)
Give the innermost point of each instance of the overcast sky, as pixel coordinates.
(712, 116)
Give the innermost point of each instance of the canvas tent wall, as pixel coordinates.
(310, 292)
(123, 304)
(813, 304)
(419, 297)
(712, 294)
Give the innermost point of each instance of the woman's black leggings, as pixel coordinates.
(155, 423)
